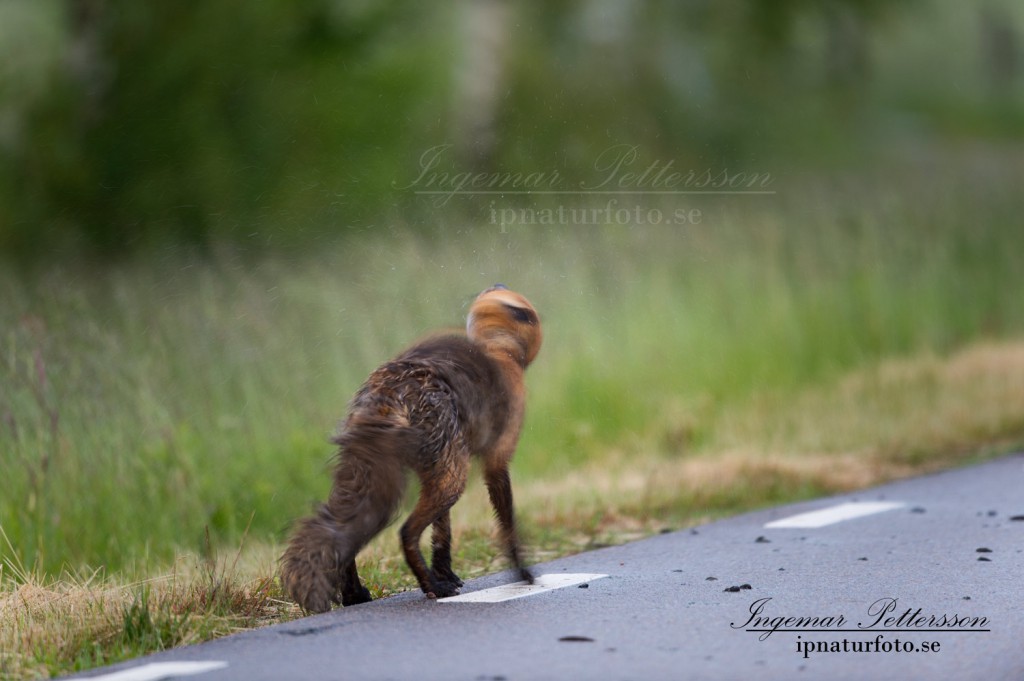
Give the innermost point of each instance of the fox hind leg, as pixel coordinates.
(352, 590)
(439, 491)
(441, 555)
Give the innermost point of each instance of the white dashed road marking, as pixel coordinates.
(161, 670)
(835, 514)
(507, 592)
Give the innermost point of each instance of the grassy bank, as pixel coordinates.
(835, 334)
(891, 419)
(167, 398)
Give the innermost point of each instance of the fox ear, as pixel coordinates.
(521, 314)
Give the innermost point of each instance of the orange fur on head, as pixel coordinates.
(503, 320)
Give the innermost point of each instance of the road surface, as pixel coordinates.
(919, 579)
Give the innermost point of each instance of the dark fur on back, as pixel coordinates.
(445, 388)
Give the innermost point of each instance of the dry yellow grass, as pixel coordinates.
(53, 626)
(918, 408)
(54, 618)
(899, 418)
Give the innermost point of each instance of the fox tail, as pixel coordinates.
(369, 481)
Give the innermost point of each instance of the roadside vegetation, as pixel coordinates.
(163, 421)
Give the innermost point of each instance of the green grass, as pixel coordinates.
(151, 402)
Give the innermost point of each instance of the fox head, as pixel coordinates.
(504, 321)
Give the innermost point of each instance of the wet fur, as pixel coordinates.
(427, 411)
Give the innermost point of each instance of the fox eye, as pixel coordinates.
(521, 314)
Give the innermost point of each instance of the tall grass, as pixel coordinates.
(147, 403)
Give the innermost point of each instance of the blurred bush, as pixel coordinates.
(124, 124)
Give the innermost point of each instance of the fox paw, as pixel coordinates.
(448, 576)
(442, 589)
(526, 576)
(356, 596)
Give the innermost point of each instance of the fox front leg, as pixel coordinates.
(499, 487)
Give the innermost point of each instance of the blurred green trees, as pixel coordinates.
(128, 123)
(185, 119)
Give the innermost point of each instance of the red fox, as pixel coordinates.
(430, 409)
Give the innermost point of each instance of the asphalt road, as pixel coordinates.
(928, 584)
